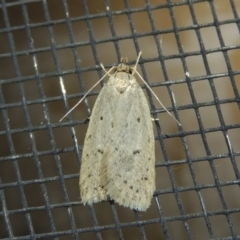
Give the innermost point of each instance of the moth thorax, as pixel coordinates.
(122, 81)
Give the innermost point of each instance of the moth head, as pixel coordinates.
(123, 66)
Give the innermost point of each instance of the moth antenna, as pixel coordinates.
(107, 72)
(104, 69)
(135, 66)
(154, 94)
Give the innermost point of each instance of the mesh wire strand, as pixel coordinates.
(49, 206)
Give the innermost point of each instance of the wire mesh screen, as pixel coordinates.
(50, 55)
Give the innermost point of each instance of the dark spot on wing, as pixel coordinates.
(101, 118)
(89, 136)
(112, 124)
(125, 181)
(136, 151)
(100, 151)
(138, 119)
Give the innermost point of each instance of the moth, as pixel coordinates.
(118, 158)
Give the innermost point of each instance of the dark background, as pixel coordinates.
(50, 54)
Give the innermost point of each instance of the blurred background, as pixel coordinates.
(50, 55)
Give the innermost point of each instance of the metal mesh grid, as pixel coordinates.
(50, 55)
